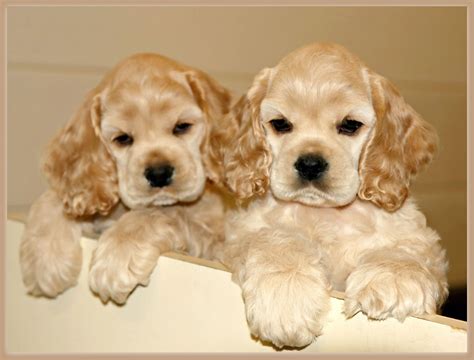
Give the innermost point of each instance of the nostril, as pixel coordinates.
(310, 166)
(159, 176)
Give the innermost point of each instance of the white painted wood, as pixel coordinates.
(186, 308)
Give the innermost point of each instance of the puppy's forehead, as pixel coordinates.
(149, 88)
(318, 54)
(149, 95)
(318, 78)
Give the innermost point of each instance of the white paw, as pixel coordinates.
(119, 266)
(49, 267)
(393, 290)
(50, 250)
(285, 309)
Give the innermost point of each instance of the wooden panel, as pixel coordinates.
(187, 307)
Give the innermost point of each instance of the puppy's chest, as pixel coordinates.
(342, 236)
(333, 227)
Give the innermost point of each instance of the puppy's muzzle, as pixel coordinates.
(159, 175)
(311, 167)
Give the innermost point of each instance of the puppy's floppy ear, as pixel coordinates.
(247, 155)
(212, 97)
(401, 145)
(214, 100)
(78, 166)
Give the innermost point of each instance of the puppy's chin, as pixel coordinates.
(312, 196)
(162, 198)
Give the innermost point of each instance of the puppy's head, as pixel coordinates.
(321, 128)
(142, 136)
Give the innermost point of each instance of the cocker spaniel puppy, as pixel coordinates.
(325, 154)
(142, 141)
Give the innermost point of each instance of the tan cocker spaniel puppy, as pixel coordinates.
(325, 154)
(141, 140)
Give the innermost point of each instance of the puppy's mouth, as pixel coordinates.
(161, 198)
(319, 185)
(149, 196)
(163, 201)
(185, 196)
(314, 193)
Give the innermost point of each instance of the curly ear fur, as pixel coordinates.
(401, 145)
(78, 167)
(247, 159)
(214, 100)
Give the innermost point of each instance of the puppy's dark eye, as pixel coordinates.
(348, 126)
(181, 128)
(124, 140)
(281, 125)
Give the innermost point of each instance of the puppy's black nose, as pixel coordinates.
(159, 176)
(310, 166)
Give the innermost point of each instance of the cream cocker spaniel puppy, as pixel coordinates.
(141, 140)
(325, 154)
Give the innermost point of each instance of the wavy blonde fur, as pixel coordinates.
(248, 158)
(402, 144)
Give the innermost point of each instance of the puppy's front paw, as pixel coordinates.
(286, 309)
(50, 265)
(118, 266)
(397, 290)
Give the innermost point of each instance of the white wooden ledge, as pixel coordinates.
(191, 305)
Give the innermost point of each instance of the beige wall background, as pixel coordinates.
(55, 54)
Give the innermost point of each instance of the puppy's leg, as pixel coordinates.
(50, 250)
(398, 282)
(204, 235)
(284, 286)
(128, 252)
